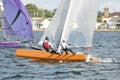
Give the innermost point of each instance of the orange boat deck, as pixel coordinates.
(40, 54)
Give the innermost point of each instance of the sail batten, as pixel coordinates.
(17, 15)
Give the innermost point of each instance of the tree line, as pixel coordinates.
(34, 11)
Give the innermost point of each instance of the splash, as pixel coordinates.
(109, 60)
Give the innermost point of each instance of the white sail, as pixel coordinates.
(80, 22)
(74, 22)
(55, 29)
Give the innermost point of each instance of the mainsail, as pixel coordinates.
(16, 20)
(74, 22)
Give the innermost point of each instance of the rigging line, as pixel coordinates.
(18, 13)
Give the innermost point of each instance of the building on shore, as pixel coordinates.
(36, 23)
(40, 24)
(109, 20)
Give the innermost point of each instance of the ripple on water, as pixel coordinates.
(105, 45)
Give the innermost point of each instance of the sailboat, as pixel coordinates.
(74, 21)
(16, 23)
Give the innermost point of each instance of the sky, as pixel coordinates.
(46, 4)
(113, 5)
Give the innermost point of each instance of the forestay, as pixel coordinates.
(74, 22)
(16, 20)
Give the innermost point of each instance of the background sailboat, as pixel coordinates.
(16, 23)
(74, 22)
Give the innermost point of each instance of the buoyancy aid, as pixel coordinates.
(46, 45)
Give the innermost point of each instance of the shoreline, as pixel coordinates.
(107, 30)
(96, 30)
(39, 30)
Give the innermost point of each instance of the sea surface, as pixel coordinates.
(106, 45)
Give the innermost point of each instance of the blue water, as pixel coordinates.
(105, 45)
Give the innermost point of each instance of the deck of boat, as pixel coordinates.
(40, 54)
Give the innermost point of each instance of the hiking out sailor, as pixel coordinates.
(47, 45)
(65, 47)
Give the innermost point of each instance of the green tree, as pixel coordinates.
(47, 13)
(99, 17)
(32, 9)
(118, 21)
(100, 14)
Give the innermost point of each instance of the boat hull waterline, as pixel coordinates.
(40, 54)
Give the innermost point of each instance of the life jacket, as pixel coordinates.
(46, 45)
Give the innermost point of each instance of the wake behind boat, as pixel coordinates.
(74, 22)
(16, 23)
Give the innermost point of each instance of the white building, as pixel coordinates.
(39, 24)
(45, 24)
(110, 20)
(36, 23)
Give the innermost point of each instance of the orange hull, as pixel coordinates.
(39, 54)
